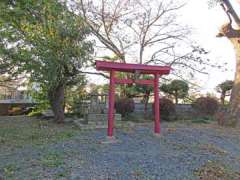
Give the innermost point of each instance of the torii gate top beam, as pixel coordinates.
(132, 68)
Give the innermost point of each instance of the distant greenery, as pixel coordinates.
(176, 88)
(224, 89)
(39, 96)
(146, 90)
(75, 96)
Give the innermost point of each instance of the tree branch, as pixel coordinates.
(232, 12)
(95, 73)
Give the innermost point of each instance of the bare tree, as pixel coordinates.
(233, 34)
(145, 32)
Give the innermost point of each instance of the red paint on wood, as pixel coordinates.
(156, 105)
(130, 81)
(111, 104)
(124, 67)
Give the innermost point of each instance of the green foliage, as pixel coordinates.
(144, 89)
(75, 96)
(39, 96)
(224, 89)
(134, 89)
(167, 109)
(9, 170)
(126, 90)
(110, 58)
(206, 106)
(177, 88)
(44, 40)
(124, 106)
(103, 89)
(225, 86)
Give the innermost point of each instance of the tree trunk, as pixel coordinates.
(235, 95)
(223, 95)
(176, 100)
(176, 97)
(233, 117)
(233, 35)
(56, 98)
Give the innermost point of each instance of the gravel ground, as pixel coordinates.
(181, 150)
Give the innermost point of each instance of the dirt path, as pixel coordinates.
(184, 151)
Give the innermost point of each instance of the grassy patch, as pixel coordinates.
(203, 120)
(63, 174)
(19, 131)
(52, 159)
(216, 171)
(9, 170)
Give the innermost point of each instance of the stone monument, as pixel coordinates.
(98, 110)
(97, 113)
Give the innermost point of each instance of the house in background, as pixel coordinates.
(14, 98)
(14, 90)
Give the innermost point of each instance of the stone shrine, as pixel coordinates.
(98, 110)
(97, 114)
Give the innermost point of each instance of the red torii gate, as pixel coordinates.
(132, 68)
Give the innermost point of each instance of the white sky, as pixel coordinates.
(206, 23)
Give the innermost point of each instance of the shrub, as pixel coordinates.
(124, 106)
(167, 109)
(206, 106)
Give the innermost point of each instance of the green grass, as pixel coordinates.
(16, 132)
(64, 174)
(52, 159)
(9, 170)
(203, 120)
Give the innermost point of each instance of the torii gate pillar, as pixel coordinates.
(156, 105)
(111, 95)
